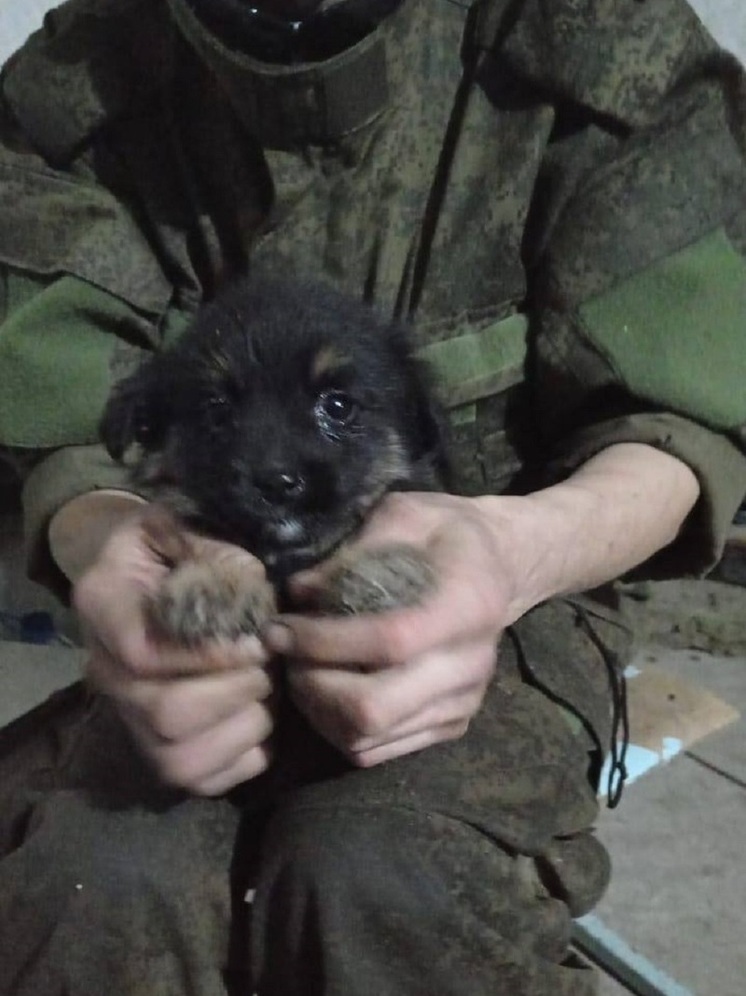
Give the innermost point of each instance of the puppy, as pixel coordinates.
(277, 422)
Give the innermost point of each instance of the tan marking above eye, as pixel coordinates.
(328, 360)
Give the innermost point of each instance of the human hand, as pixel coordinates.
(378, 686)
(202, 713)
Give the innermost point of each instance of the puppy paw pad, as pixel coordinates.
(201, 601)
(390, 577)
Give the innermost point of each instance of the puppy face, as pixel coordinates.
(279, 420)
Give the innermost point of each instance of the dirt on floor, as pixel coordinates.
(699, 615)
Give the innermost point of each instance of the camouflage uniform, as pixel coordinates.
(552, 193)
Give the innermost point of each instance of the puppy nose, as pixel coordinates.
(280, 483)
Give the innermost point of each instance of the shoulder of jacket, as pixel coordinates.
(89, 62)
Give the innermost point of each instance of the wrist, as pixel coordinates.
(526, 531)
(81, 527)
(612, 514)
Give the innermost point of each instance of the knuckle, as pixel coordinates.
(255, 763)
(485, 664)
(179, 768)
(368, 716)
(251, 764)
(455, 730)
(474, 702)
(132, 656)
(163, 719)
(395, 639)
(362, 759)
(261, 685)
(260, 721)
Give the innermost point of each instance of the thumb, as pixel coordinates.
(173, 543)
(166, 536)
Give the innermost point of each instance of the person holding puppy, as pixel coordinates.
(551, 195)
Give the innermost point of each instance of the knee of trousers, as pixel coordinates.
(351, 872)
(135, 900)
(76, 850)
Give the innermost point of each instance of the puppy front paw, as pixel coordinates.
(200, 600)
(390, 577)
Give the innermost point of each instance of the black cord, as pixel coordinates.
(620, 714)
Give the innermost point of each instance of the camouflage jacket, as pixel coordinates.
(553, 193)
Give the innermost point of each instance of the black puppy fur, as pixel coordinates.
(277, 422)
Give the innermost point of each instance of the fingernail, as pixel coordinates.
(279, 637)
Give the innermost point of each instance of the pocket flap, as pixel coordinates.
(476, 364)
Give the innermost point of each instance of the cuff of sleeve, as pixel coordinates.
(55, 480)
(720, 467)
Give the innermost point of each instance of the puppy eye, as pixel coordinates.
(335, 407)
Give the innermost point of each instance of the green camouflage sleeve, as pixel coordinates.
(63, 342)
(637, 245)
(39, 317)
(82, 294)
(72, 321)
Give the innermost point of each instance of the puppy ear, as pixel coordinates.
(134, 412)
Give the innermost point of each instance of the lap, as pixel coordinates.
(494, 824)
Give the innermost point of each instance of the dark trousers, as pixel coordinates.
(452, 871)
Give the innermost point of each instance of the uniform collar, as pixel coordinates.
(292, 106)
(319, 30)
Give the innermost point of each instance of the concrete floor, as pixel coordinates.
(678, 894)
(676, 909)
